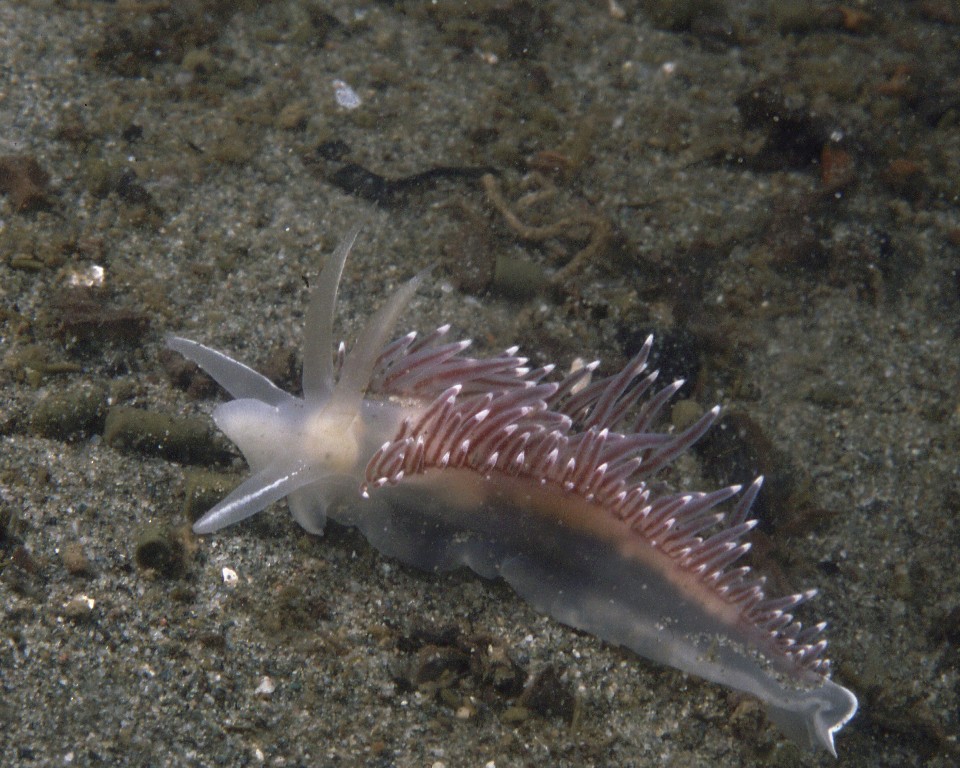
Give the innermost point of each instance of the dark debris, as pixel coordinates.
(795, 136)
(141, 35)
(22, 178)
(85, 316)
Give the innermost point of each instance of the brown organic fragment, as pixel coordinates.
(22, 178)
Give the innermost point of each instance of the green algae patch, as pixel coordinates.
(188, 440)
(72, 414)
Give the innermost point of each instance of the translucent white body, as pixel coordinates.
(559, 548)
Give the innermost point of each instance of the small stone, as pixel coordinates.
(293, 117)
(79, 608)
(266, 687)
(75, 561)
(22, 178)
(345, 95)
(24, 560)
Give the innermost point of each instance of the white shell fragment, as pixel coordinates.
(345, 95)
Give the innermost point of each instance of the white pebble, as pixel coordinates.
(345, 95)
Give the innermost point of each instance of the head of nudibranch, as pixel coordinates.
(306, 449)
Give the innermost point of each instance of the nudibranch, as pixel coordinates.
(444, 460)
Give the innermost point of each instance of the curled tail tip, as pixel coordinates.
(817, 716)
(829, 720)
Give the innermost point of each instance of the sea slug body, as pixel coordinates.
(444, 461)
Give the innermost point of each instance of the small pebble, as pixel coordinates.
(79, 608)
(75, 561)
(345, 95)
